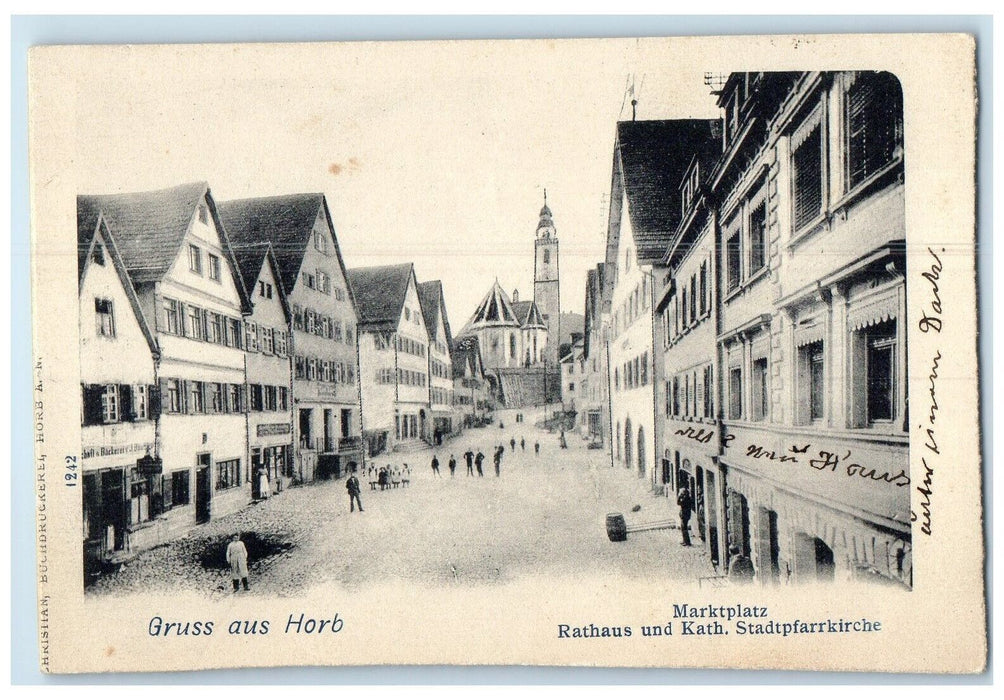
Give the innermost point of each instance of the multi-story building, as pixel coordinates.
(595, 407)
(185, 277)
(811, 325)
(645, 208)
(573, 378)
(471, 390)
(393, 357)
(685, 341)
(269, 375)
(440, 368)
(120, 455)
(327, 419)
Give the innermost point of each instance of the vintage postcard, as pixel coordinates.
(630, 353)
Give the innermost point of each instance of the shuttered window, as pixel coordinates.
(874, 116)
(807, 178)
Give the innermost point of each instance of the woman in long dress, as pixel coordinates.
(263, 485)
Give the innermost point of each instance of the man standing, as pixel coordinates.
(498, 460)
(435, 465)
(477, 461)
(469, 456)
(686, 504)
(352, 486)
(522, 444)
(512, 444)
(453, 465)
(237, 558)
(536, 448)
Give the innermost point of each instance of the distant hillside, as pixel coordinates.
(571, 322)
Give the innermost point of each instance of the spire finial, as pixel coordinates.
(545, 196)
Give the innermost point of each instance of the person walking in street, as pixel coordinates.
(477, 461)
(435, 465)
(352, 486)
(498, 460)
(536, 448)
(686, 504)
(469, 456)
(237, 558)
(522, 444)
(740, 566)
(512, 444)
(453, 465)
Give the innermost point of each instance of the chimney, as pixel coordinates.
(515, 296)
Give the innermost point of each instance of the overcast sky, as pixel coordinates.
(434, 153)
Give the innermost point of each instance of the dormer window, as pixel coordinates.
(98, 254)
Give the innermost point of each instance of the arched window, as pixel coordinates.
(547, 256)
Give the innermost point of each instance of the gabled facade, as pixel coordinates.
(327, 418)
(394, 357)
(649, 160)
(471, 389)
(178, 256)
(269, 376)
(595, 405)
(440, 368)
(120, 454)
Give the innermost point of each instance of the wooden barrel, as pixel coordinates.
(616, 527)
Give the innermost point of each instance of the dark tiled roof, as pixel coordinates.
(250, 260)
(380, 293)
(149, 227)
(653, 157)
(494, 310)
(528, 314)
(466, 350)
(430, 295)
(286, 221)
(89, 223)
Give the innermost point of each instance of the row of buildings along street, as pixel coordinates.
(742, 338)
(745, 334)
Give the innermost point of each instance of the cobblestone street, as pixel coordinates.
(544, 516)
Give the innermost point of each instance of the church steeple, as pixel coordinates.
(545, 228)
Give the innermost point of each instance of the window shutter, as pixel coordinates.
(807, 176)
(154, 406)
(126, 403)
(92, 403)
(182, 320)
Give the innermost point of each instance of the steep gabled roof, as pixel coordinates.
(466, 353)
(287, 223)
(430, 295)
(250, 261)
(528, 314)
(91, 226)
(150, 227)
(650, 158)
(380, 293)
(495, 310)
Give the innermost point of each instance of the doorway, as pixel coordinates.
(203, 487)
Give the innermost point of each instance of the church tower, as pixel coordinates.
(545, 282)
